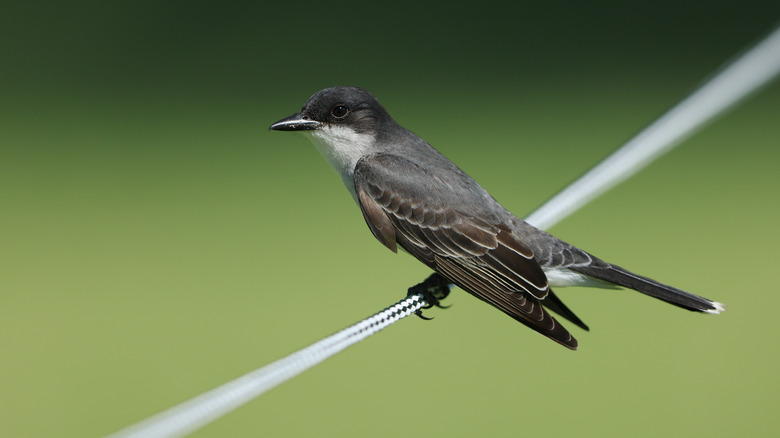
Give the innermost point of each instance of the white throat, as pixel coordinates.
(343, 147)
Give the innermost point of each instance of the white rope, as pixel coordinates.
(749, 72)
(745, 75)
(203, 409)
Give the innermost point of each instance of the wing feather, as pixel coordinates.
(427, 218)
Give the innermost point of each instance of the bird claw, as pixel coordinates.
(433, 289)
(421, 316)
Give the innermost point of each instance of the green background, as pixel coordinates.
(156, 240)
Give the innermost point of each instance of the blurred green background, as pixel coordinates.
(156, 240)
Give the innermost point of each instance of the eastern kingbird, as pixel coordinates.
(412, 196)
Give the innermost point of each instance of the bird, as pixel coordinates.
(413, 197)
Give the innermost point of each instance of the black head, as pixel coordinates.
(350, 107)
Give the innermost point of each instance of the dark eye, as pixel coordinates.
(339, 111)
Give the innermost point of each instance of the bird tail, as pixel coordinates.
(622, 277)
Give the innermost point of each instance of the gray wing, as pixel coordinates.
(406, 204)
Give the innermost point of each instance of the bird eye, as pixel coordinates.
(339, 111)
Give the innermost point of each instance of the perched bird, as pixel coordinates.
(412, 196)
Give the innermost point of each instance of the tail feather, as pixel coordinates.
(622, 277)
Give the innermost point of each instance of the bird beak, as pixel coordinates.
(295, 122)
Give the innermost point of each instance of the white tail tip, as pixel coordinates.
(719, 307)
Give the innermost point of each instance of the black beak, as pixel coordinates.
(295, 122)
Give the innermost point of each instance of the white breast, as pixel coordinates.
(343, 147)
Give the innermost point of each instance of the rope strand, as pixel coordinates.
(203, 409)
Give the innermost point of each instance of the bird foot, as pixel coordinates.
(433, 289)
